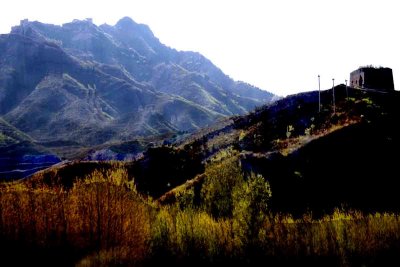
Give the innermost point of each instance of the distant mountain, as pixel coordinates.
(87, 85)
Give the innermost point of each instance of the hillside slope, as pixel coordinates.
(19, 154)
(319, 161)
(313, 161)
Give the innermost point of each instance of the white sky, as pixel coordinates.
(280, 46)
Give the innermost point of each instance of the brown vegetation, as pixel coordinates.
(102, 220)
(103, 213)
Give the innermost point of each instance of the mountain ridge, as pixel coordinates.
(96, 84)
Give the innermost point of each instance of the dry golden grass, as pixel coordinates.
(99, 213)
(105, 216)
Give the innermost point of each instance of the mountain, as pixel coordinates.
(82, 85)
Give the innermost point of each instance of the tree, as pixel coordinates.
(250, 206)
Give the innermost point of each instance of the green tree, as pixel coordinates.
(221, 179)
(250, 206)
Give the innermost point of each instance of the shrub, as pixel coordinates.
(221, 179)
(250, 206)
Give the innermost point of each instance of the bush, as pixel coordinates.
(221, 179)
(250, 207)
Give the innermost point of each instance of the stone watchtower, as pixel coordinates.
(372, 78)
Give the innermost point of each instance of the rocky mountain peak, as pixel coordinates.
(126, 22)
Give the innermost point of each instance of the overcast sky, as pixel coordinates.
(280, 46)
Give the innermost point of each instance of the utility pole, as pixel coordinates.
(333, 92)
(319, 94)
(347, 93)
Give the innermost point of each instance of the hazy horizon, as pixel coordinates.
(280, 47)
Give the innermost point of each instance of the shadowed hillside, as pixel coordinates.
(318, 161)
